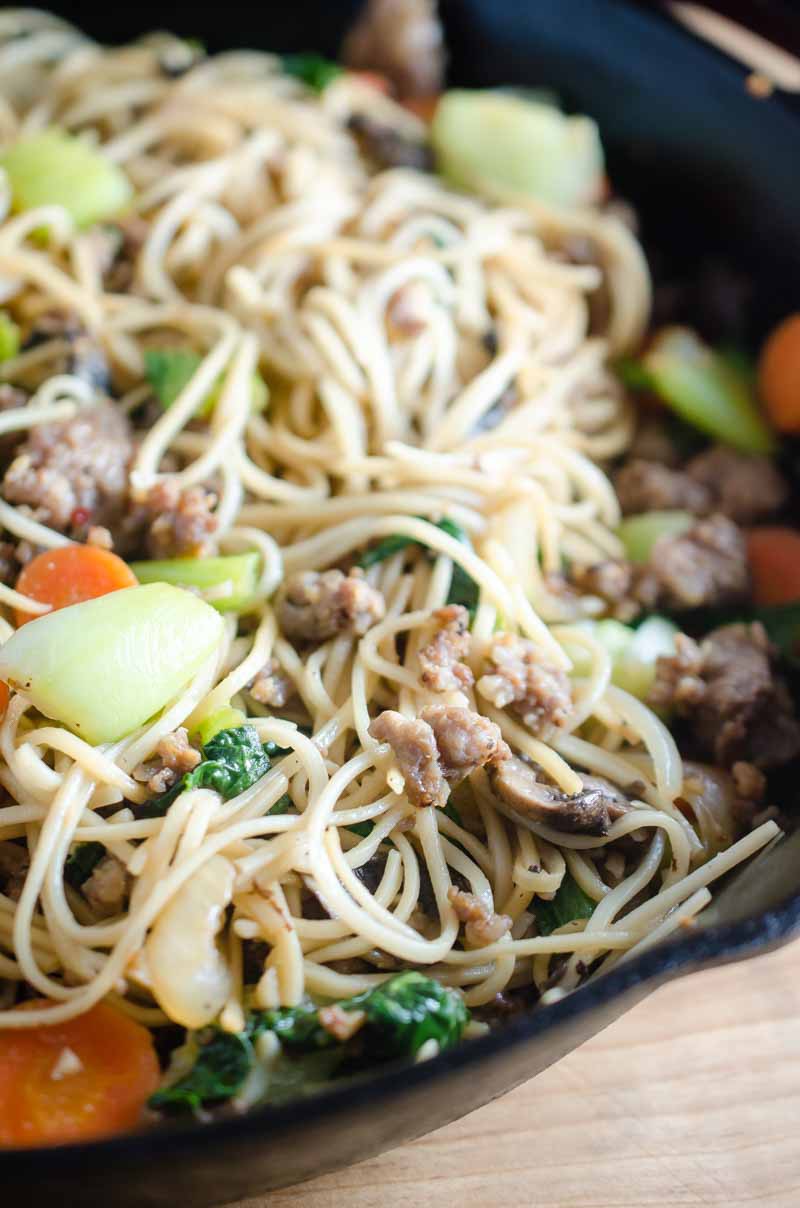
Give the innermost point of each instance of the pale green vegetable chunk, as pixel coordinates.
(519, 144)
(639, 534)
(55, 168)
(633, 652)
(707, 390)
(226, 718)
(230, 580)
(106, 666)
(635, 666)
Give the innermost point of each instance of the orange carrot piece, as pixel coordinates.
(75, 1081)
(774, 557)
(4, 695)
(70, 575)
(779, 375)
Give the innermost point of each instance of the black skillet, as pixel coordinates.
(711, 169)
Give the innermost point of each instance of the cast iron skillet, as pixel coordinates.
(709, 167)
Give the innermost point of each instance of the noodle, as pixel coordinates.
(268, 245)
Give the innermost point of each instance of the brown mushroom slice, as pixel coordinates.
(524, 799)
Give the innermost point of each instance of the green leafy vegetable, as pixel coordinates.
(81, 863)
(313, 70)
(9, 337)
(230, 579)
(570, 903)
(168, 370)
(284, 805)
(223, 1061)
(56, 168)
(234, 760)
(463, 588)
(708, 389)
(518, 144)
(400, 1015)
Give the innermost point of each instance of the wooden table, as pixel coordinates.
(693, 1098)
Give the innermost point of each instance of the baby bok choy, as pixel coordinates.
(228, 581)
(52, 167)
(392, 1020)
(105, 666)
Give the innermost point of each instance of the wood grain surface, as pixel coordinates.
(693, 1098)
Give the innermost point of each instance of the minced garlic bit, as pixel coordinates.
(67, 1063)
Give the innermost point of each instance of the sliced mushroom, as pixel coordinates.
(190, 978)
(526, 800)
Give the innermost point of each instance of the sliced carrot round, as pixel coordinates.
(774, 557)
(779, 375)
(70, 575)
(75, 1081)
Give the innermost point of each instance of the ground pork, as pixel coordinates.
(439, 748)
(440, 659)
(527, 799)
(521, 675)
(107, 887)
(315, 606)
(745, 487)
(403, 40)
(739, 708)
(174, 756)
(652, 442)
(74, 473)
(612, 582)
(706, 565)
(14, 863)
(180, 521)
(482, 925)
(649, 486)
(271, 686)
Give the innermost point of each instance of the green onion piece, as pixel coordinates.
(230, 580)
(56, 168)
(9, 337)
(639, 534)
(709, 390)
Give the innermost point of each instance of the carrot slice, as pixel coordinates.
(423, 106)
(4, 695)
(779, 375)
(75, 1081)
(774, 557)
(70, 575)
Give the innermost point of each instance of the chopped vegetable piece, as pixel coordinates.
(4, 697)
(71, 574)
(9, 337)
(463, 588)
(639, 534)
(168, 370)
(113, 1070)
(635, 666)
(779, 375)
(222, 1062)
(705, 389)
(106, 666)
(234, 760)
(284, 805)
(518, 144)
(223, 719)
(314, 70)
(774, 558)
(56, 168)
(782, 623)
(81, 863)
(230, 580)
(568, 904)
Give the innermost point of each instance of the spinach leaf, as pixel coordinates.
(314, 70)
(81, 863)
(283, 805)
(569, 903)
(463, 588)
(234, 760)
(224, 1060)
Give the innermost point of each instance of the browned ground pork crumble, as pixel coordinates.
(440, 659)
(520, 674)
(317, 605)
(174, 757)
(482, 925)
(744, 487)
